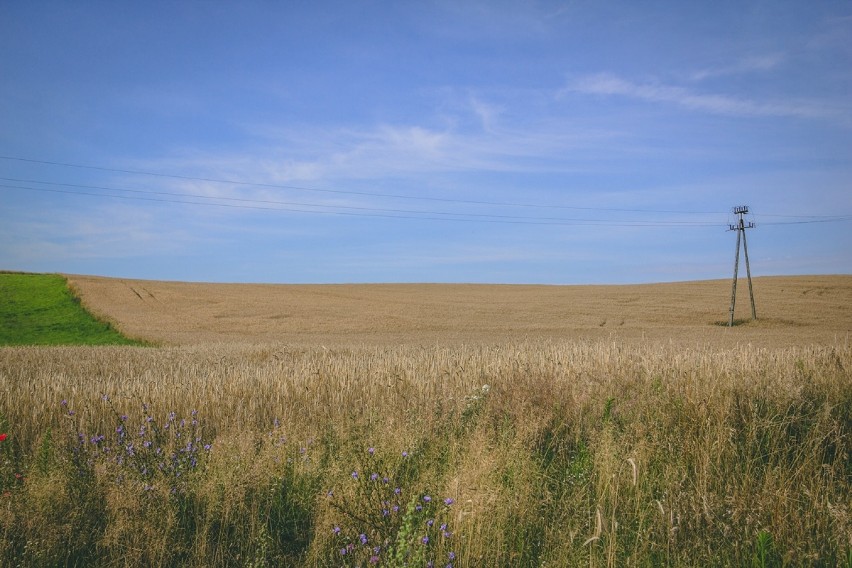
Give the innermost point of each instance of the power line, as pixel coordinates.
(318, 205)
(360, 193)
(519, 221)
(386, 212)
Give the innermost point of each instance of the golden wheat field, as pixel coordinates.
(436, 425)
(791, 311)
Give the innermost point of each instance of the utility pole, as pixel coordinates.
(740, 228)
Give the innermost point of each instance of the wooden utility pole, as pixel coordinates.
(740, 228)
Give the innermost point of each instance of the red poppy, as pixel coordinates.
(2, 437)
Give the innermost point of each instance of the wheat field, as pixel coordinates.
(468, 425)
(791, 311)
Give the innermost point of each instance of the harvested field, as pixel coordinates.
(791, 311)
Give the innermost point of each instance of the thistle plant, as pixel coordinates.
(382, 522)
(147, 455)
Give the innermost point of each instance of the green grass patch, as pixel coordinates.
(39, 309)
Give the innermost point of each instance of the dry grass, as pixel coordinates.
(792, 311)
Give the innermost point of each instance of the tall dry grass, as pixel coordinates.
(599, 452)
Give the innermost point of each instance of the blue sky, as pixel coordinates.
(504, 142)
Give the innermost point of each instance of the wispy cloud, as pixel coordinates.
(609, 84)
(754, 63)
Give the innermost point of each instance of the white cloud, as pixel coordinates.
(609, 84)
(754, 63)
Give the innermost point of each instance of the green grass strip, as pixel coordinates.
(38, 309)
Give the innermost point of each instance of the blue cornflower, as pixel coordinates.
(427, 499)
(354, 475)
(425, 540)
(449, 501)
(363, 538)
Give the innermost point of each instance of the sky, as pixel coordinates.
(577, 142)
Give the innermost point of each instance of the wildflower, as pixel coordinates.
(430, 522)
(3, 437)
(354, 475)
(405, 454)
(374, 477)
(449, 501)
(363, 538)
(397, 491)
(452, 555)
(124, 418)
(427, 499)
(425, 540)
(336, 530)
(371, 451)
(64, 402)
(374, 559)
